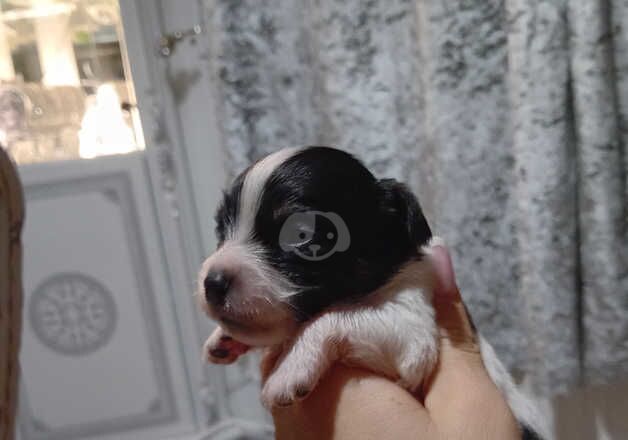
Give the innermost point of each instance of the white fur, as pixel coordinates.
(256, 294)
(523, 408)
(253, 188)
(393, 334)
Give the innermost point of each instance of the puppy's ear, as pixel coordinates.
(401, 214)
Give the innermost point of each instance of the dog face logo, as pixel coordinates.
(314, 235)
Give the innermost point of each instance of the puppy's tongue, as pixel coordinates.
(240, 348)
(234, 346)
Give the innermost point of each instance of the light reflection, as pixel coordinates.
(38, 11)
(103, 129)
(64, 87)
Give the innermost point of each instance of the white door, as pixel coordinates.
(119, 161)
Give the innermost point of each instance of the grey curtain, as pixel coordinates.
(509, 120)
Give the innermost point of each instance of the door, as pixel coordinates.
(113, 136)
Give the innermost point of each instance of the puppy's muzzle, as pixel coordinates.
(216, 287)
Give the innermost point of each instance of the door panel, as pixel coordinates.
(100, 353)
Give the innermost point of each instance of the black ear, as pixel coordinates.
(402, 217)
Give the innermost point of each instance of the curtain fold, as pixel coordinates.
(545, 189)
(601, 187)
(507, 118)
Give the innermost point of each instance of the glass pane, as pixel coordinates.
(65, 91)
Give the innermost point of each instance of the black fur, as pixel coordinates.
(529, 434)
(384, 220)
(227, 211)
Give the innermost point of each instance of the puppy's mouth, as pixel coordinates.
(239, 324)
(240, 320)
(255, 327)
(229, 316)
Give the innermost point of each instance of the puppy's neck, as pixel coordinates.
(417, 273)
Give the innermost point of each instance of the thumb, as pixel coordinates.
(460, 386)
(459, 355)
(455, 325)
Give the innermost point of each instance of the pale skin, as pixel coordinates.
(458, 401)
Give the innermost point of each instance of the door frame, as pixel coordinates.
(185, 163)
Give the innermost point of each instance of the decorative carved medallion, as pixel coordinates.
(72, 314)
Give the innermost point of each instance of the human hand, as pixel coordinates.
(458, 400)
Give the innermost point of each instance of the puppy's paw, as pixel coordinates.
(221, 348)
(283, 388)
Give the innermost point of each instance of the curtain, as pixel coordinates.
(507, 118)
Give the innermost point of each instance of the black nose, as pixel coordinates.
(216, 287)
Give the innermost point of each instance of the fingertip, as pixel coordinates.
(454, 321)
(437, 241)
(445, 279)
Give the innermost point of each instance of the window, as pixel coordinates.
(65, 88)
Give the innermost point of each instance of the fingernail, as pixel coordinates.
(444, 271)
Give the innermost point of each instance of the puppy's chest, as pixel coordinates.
(387, 332)
(393, 313)
(392, 332)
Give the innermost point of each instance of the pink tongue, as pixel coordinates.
(237, 347)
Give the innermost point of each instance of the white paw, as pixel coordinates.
(287, 385)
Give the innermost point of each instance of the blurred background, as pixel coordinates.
(508, 118)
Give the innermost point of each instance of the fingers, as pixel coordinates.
(352, 403)
(455, 325)
(459, 347)
(460, 383)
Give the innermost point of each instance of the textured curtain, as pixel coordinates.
(507, 118)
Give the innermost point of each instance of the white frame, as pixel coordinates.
(193, 150)
(176, 205)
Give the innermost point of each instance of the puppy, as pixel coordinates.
(319, 261)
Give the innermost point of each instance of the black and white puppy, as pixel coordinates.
(319, 260)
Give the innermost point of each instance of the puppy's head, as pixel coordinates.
(300, 231)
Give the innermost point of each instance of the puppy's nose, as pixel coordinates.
(216, 287)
